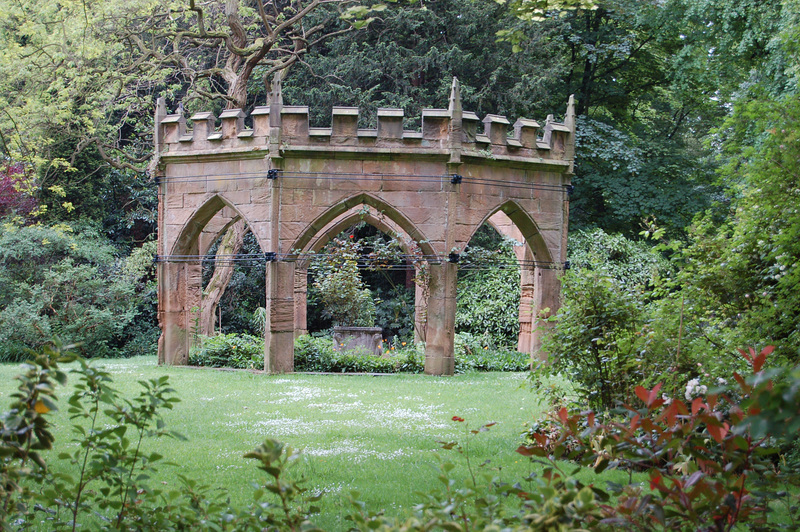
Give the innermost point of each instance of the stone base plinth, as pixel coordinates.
(368, 339)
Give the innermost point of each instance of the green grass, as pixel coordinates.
(375, 435)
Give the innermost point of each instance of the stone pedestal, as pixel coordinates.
(368, 339)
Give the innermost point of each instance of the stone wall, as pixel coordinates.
(293, 185)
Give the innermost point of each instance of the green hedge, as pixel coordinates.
(472, 353)
(241, 351)
(317, 354)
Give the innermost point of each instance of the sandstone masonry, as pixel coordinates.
(296, 186)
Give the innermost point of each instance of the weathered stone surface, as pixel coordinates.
(295, 185)
(367, 339)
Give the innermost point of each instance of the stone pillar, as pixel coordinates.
(545, 296)
(526, 318)
(420, 312)
(441, 323)
(279, 341)
(179, 286)
(300, 302)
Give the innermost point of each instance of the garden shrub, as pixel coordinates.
(472, 354)
(711, 456)
(632, 263)
(488, 290)
(65, 283)
(480, 353)
(316, 354)
(597, 338)
(241, 351)
(141, 336)
(337, 280)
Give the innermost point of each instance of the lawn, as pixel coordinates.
(373, 434)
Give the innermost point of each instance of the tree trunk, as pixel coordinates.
(231, 243)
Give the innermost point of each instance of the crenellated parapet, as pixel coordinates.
(295, 186)
(279, 129)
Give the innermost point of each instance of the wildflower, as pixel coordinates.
(402, 343)
(694, 388)
(459, 419)
(42, 408)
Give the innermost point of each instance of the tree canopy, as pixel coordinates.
(686, 110)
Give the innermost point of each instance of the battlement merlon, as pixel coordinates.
(443, 131)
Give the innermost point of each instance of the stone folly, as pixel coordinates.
(297, 186)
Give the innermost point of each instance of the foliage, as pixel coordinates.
(79, 76)
(709, 460)
(244, 293)
(538, 9)
(388, 263)
(488, 289)
(480, 353)
(344, 296)
(746, 268)
(111, 462)
(229, 351)
(407, 56)
(16, 196)
(295, 504)
(318, 355)
(24, 432)
(141, 336)
(56, 281)
(471, 354)
(631, 263)
(596, 337)
(394, 310)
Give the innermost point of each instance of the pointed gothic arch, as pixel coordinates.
(535, 261)
(289, 181)
(395, 215)
(180, 282)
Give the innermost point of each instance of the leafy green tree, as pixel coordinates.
(635, 264)
(56, 282)
(738, 280)
(407, 57)
(746, 267)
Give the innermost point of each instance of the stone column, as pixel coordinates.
(441, 321)
(545, 296)
(420, 312)
(300, 301)
(279, 341)
(526, 318)
(179, 286)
